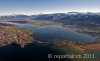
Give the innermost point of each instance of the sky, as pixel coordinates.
(30, 7)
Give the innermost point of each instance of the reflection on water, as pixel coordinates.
(53, 32)
(48, 33)
(38, 52)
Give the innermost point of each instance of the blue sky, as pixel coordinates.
(29, 7)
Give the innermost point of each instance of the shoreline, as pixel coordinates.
(84, 47)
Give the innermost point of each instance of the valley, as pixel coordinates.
(28, 35)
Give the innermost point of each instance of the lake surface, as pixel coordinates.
(31, 52)
(52, 32)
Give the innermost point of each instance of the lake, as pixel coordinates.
(50, 33)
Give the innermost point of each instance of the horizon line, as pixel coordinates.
(46, 13)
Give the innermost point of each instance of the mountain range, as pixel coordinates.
(80, 18)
